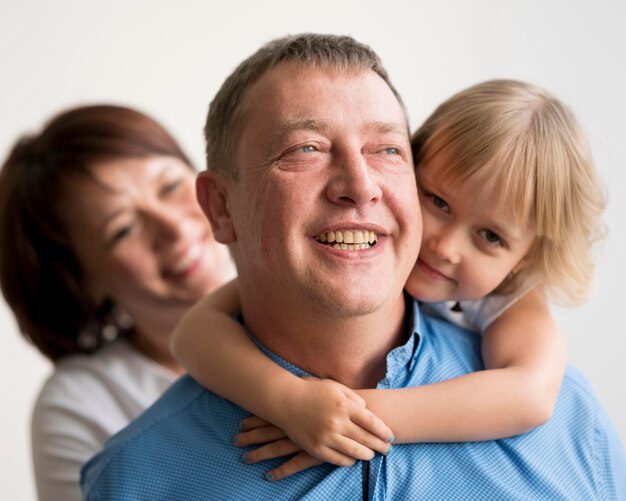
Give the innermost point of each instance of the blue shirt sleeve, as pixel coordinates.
(613, 461)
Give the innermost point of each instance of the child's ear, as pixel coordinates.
(212, 191)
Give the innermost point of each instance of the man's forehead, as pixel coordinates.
(292, 87)
(293, 77)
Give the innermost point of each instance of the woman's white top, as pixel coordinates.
(87, 399)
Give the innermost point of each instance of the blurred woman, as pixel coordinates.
(102, 249)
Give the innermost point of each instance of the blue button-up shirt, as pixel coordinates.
(181, 448)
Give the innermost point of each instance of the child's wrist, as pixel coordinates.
(283, 397)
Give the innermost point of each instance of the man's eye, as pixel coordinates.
(491, 237)
(307, 148)
(391, 151)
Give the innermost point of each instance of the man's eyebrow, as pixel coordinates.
(321, 125)
(389, 128)
(296, 125)
(304, 124)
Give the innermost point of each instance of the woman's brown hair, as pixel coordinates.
(39, 275)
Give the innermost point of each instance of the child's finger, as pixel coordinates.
(355, 450)
(252, 422)
(258, 436)
(364, 438)
(299, 462)
(279, 448)
(336, 457)
(286, 446)
(369, 421)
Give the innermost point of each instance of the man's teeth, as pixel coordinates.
(188, 259)
(349, 239)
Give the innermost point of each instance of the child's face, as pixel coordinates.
(469, 245)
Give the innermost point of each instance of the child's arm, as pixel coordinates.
(524, 354)
(326, 418)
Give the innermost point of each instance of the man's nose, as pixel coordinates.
(446, 244)
(354, 182)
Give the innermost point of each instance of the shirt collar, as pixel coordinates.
(399, 360)
(402, 359)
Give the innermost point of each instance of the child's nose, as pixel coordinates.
(446, 246)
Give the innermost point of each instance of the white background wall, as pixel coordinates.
(168, 58)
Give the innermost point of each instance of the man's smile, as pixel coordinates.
(349, 239)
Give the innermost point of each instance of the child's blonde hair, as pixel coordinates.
(527, 148)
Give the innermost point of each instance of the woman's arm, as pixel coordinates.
(524, 356)
(325, 418)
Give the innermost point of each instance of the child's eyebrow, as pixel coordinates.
(506, 228)
(427, 183)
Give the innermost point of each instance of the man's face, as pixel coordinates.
(324, 154)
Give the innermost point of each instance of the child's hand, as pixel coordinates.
(256, 430)
(329, 421)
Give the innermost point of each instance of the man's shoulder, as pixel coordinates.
(181, 448)
(461, 349)
(180, 396)
(577, 452)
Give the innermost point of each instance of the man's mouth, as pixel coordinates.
(349, 239)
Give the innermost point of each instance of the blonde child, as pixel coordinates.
(510, 209)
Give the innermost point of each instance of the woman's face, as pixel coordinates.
(141, 238)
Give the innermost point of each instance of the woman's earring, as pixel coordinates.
(117, 321)
(88, 338)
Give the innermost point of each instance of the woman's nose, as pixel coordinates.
(169, 224)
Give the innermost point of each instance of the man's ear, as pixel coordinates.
(212, 191)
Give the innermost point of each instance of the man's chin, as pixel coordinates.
(348, 302)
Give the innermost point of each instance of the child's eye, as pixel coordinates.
(439, 202)
(491, 237)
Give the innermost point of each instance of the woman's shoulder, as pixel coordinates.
(116, 375)
(85, 400)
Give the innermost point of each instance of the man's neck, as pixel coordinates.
(351, 351)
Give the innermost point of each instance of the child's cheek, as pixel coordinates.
(414, 285)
